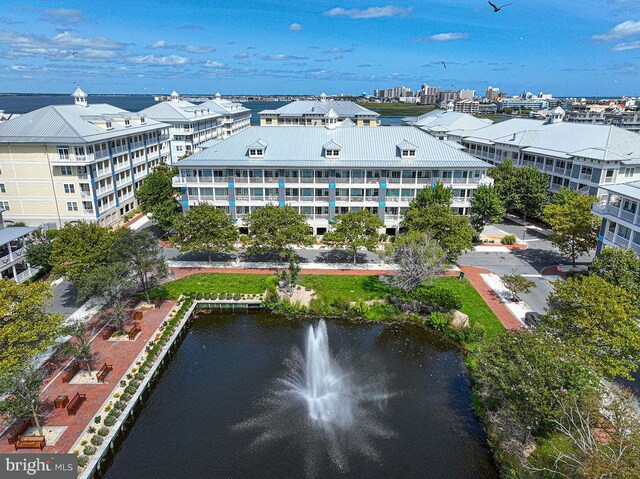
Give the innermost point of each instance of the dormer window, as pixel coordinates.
(406, 149)
(408, 153)
(142, 119)
(256, 152)
(108, 125)
(127, 122)
(332, 153)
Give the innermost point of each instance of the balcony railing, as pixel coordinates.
(585, 176)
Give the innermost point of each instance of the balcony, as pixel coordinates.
(585, 176)
(13, 256)
(621, 241)
(560, 171)
(119, 149)
(626, 215)
(241, 179)
(137, 144)
(460, 180)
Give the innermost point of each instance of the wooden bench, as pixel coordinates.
(133, 332)
(108, 331)
(19, 430)
(75, 404)
(31, 442)
(158, 302)
(104, 371)
(73, 370)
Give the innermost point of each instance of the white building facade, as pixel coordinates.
(80, 162)
(191, 124)
(581, 157)
(234, 116)
(620, 213)
(323, 172)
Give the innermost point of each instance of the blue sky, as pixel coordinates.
(338, 46)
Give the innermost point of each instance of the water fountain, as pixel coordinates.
(333, 404)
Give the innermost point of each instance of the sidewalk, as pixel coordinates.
(371, 268)
(180, 272)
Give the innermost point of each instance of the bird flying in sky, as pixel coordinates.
(496, 8)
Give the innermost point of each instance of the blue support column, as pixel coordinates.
(282, 198)
(232, 195)
(382, 195)
(332, 195)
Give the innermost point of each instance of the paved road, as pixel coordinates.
(64, 299)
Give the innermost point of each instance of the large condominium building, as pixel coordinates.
(323, 172)
(492, 93)
(190, 124)
(13, 254)
(533, 104)
(629, 120)
(234, 116)
(65, 163)
(447, 123)
(620, 213)
(318, 113)
(576, 156)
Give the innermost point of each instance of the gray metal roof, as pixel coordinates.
(447, 121)
(11, 233)
(599, 142)
(630, 190)
(72, 124)
(178, 111)
(295, 146)
(344, 109)
(224, 107)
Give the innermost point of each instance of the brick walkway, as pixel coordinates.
(503, 313)
(120, 354)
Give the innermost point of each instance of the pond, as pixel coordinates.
(258, 396)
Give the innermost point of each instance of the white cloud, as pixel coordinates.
(295, 27)
(214, 64)
(160, 60)
(283, 57)
(62, 16)
(444, 37)
(180, 47)
(371, 12)
(241, 55)
(622, 47)
(621, 30)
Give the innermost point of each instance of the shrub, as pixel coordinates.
(439, 321)
(473, 334)
(120, 405)
(341, 304)
(89, 450)
(135, 383)
(199, 296)
(438, 298)
(508, 239)
(109, 421)
(272, 285)
(83, 442)
(214, 296)
(83, 461)
(130, 389)
(103, 431)
(139, 376)
(207, 295)
(116, 395)
(126, 397)
(123, 383)
(97, 419)
(96, 440)
(237, 297)
(91, 430)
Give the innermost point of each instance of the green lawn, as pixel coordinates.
(352, 288)
(216, 283)
(397, 109)
(472, 304)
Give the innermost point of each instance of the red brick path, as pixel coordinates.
(121, 354)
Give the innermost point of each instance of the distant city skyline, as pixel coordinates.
(284, 47)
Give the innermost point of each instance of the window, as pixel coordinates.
(66, 171)
(108, 125)
(63, 152)
(179, 148)
(256, 152)
(5, 205)
(332, 153)
(69, 188)
(629, 172)
(72, 206)
(127, 122)
(3, 189)
(408, 153)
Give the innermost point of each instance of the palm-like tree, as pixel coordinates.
(78, 346)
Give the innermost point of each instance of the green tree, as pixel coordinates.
(418, 258)
(109, 282)
(79, 247)
(205, 228)
(517, 285)
(438, 195)
(599, 319)
(143, 256)
(157, 196)
(619, 267)
(276, 229)
(20, 395)
(26, 328)
(564, 196)
(528, 376)
(532, 186)
(354, 230)
(79, 346)
(505, 182)
(486, 207)
(451, 230)
(575, 229)
(39, 253)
